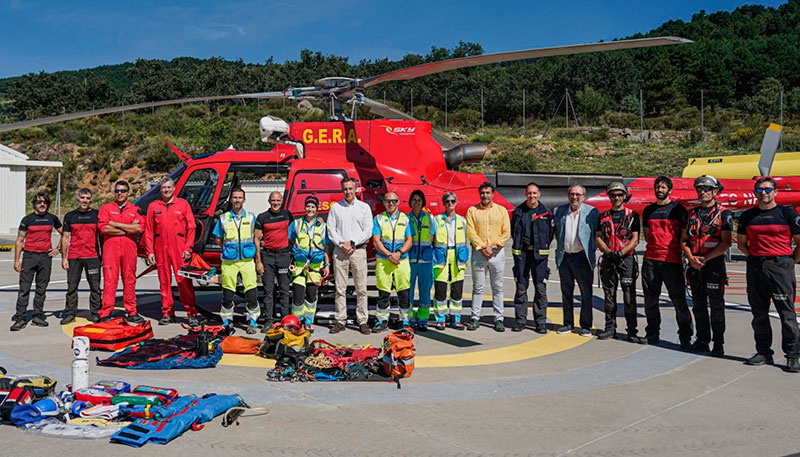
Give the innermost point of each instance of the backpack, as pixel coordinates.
(398, 354)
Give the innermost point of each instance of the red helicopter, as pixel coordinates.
(382, 155)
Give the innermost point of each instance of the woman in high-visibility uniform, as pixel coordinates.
(450, 256)
(421, 258)
(308, 237)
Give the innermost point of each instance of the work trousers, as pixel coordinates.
(422, 278)
(527, 267)
(654, 274)
(496, 267)
(231, 270)
(623, 274)
(576, 268)
(707, 288)
(343, 265)
(276, 267)
(304, 303)
(34, 265)
(76, 268)
(119, 258)
(773, 278)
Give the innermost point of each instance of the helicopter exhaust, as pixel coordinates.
(465, 153)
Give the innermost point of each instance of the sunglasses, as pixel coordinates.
(761, 190)
(616, 195)
(391, 202)
(704, 188)
(120, 191)
(449, 201)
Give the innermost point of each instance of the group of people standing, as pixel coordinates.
(420, 252)
(105, 240)
(701, 236)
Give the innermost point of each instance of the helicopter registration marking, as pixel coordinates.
(330, 136)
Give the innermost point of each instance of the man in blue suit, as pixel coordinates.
(576, 224)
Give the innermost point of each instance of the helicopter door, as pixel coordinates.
(323, 184)
(199, 190)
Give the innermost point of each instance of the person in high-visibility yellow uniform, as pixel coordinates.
(391, 238)
(308, 237)
(421, 259)
(234, 231)
(450, 257)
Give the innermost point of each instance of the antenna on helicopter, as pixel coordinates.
(772, 138)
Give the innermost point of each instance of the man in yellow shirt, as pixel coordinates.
(488, 229)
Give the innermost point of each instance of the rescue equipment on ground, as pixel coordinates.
(158, 354)
(199, 270)
(80, 362)
(114, 334)
(398, 354)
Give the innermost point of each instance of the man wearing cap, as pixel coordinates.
(120, 223)
(575, 227)
(488, 230)
(765, 236)
(349, 229)
(169, 241)
(80, 251)
(309, 238)
(35, 232)
(450, 257)
(704, 240)
(662, 223)
(391, 238)
(532, 233)
(617, 237)
(274, 257)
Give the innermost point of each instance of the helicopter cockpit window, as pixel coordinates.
(199, 189)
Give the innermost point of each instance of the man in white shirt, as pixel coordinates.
(349, 230)
(575, 227)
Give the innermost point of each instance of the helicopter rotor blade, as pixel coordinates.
(119, 109)
(473, 61)
(390, 113)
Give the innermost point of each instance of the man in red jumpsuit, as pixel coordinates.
(169, 238)
(119, 222)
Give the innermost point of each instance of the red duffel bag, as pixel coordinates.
(114, 334)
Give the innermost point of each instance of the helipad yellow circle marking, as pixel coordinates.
(538, 347)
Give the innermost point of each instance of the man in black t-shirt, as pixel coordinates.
(704, 240)
(274, 256)
(35, 231)
(765, 236)
(617, 238)
(80, 252)
(662, 222)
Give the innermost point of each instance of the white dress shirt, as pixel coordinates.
(350, 222)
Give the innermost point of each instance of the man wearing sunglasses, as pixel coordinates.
(617, 238)
(391, 238)
(704, 240)
(120, 223)
(765, 236)
(35, 232)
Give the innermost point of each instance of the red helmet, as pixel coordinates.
(291, 321)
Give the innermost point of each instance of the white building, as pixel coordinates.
(13, 167)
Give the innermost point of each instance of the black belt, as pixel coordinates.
(277, 251)
(764, 258)
(575, 253)
(361, 246)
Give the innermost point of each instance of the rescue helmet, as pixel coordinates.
(291, 323)
(707, 181)
(617, 186)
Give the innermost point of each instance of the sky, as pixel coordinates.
(49, 36)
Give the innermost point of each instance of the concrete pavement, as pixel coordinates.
(558, 394)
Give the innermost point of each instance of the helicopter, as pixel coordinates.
(393, 153)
